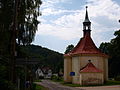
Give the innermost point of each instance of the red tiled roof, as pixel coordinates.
(85, 46)
(90, 68)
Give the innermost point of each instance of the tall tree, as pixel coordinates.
(113, 50)
(104, 47)
(6, 19)
(69, 48)
(28, 11)
(18, 18)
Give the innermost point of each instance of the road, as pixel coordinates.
(57, 86)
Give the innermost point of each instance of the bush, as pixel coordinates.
(117, 78)
(56, 78)
(41, 77)
(6, 85)
(33, 86)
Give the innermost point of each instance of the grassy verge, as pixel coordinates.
(39, 87)
(37, 80)
(71, 85)
(59, 81)
(112, 82)
(109, 82)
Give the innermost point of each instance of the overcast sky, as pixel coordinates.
(61, 22)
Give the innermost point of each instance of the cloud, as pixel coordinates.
(69, 26)
(107, 8)
(64, 33)
(52, 3)
(53, 7)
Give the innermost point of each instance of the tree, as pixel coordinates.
(113, 50)
(104, 47)
(18, 18)
(6, 20)
(28, 12)
(69, 48)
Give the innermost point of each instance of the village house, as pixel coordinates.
(44, 72)
(86, 64)
(39, 73)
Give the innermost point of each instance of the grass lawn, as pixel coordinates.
(39, 87)
(109, 82)
(112, 82)
(37, 80)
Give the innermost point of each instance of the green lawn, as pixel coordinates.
(37, 80)
(71, 85)
(39, 87)
(109, 82)
(112, 82)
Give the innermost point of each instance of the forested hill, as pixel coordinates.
(46, 56)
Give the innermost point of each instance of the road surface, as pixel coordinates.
(57, 86)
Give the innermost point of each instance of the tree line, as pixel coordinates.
(47, 57)
(112, 48)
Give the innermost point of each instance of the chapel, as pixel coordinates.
(85, 64)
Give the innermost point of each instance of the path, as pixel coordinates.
(56, 86)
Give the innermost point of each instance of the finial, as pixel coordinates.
(86, 16)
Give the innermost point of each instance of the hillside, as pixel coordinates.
(46, 56)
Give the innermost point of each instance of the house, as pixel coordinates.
(39, 73)
(86, 64)
(47, 72)
(44, 72)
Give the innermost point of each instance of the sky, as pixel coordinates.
(62, 22)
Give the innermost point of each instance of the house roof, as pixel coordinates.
(90, 68)
(85, 46)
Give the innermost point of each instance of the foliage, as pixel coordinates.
(69, 48)
(113, 50)
(20, 15)
(6, 17)
(5, 84)
(47, 57)
(28, 11)
(39, 87)
(117, 78)
(105, 47)
(37, 80)
(112, 82)
(56, 78)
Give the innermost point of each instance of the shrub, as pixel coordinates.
(54, 77)
(117, 78)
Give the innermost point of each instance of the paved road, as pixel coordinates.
(56, 86)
